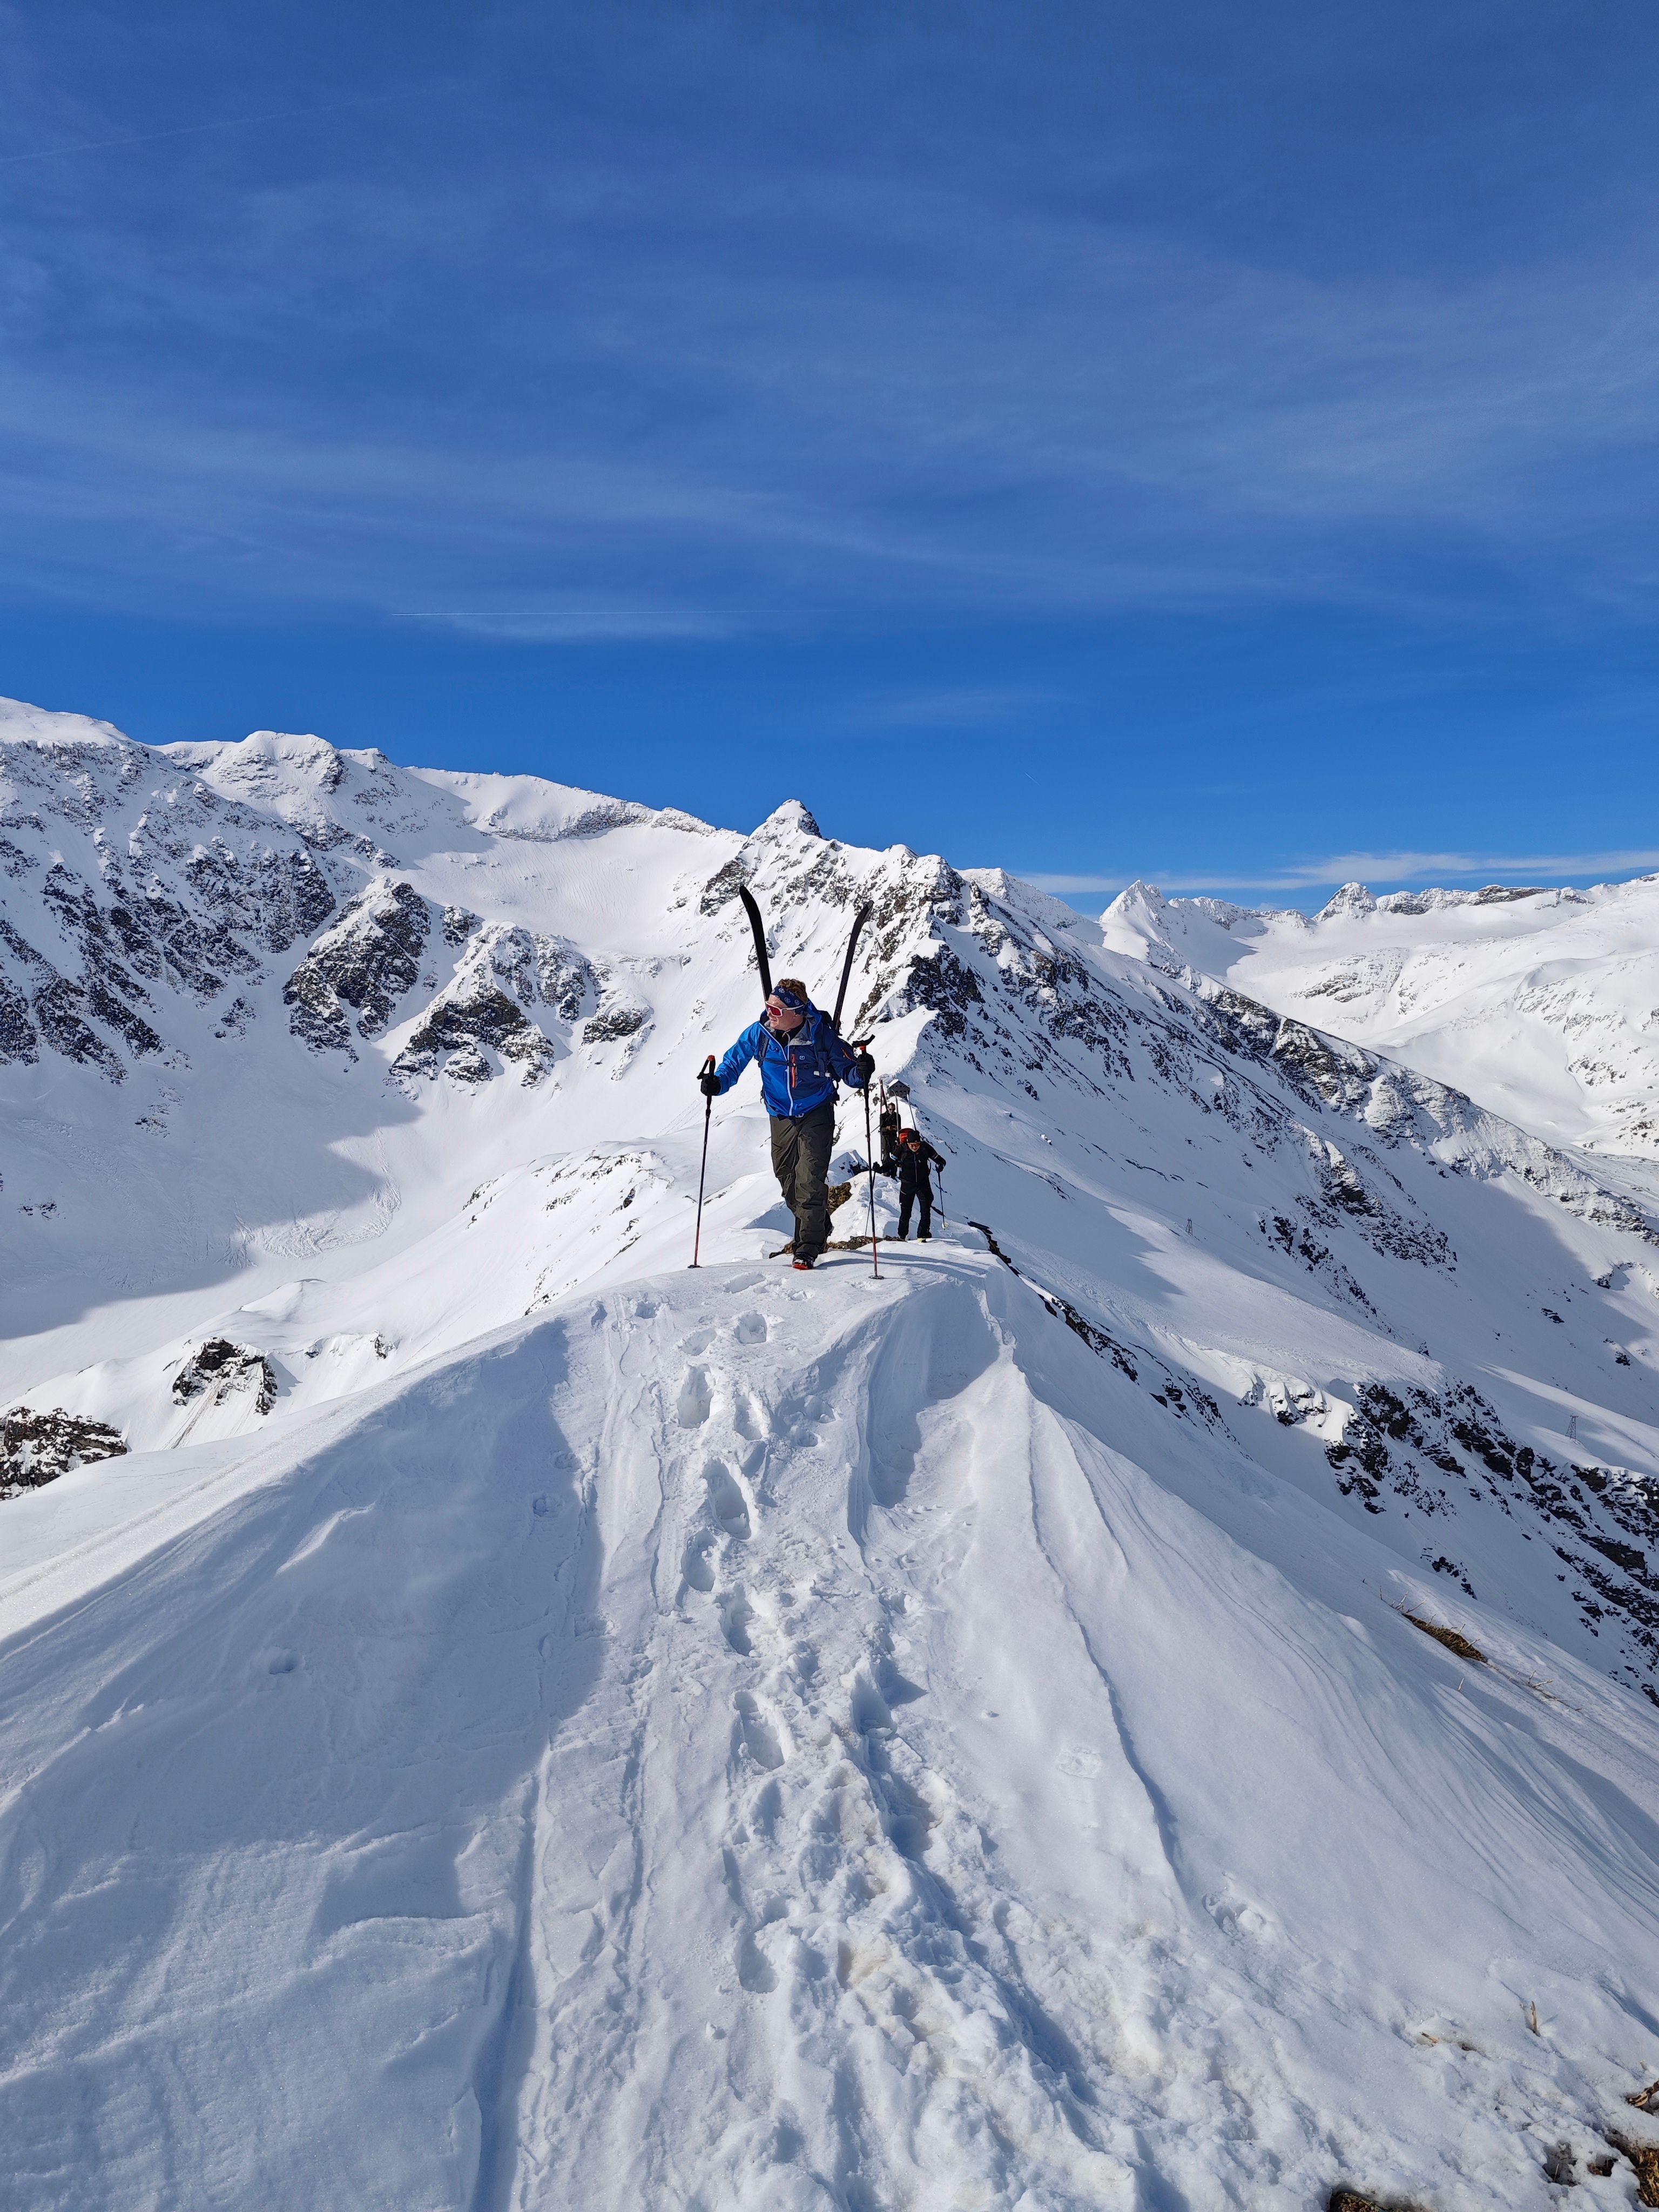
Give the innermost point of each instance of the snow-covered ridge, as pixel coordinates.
(495, 1719)
(1543, 1004)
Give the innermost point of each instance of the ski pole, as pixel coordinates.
(870, 1162)
(707, 1109)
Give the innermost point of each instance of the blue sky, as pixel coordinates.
(1207, 443)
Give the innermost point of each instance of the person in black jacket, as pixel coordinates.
(888, 1127)
(914, 1184)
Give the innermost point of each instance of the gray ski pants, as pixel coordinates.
(801, 1161)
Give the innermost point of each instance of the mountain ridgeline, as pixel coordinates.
(1148, 1700)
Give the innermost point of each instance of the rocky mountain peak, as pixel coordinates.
(792, 820)
(1352, 899)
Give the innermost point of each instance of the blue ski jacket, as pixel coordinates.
(798, 1073)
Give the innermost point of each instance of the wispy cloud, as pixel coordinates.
(589, 625)
(196, 130)
(639, 343)
(932, 709)
(883, 402)
(1388, 869)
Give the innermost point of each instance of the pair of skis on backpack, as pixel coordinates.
(765, 965)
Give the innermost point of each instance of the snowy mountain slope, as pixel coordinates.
(604, 1734)
(155, 927)
(728, 1744)
(1544, 1005)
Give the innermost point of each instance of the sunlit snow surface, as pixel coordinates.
(618, 1737)
(1543, 1004)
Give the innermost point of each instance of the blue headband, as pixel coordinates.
(788, 998)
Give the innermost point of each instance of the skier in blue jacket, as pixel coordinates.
(801, 1061)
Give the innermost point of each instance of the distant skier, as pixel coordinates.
(801, 1061)
(915, 1187)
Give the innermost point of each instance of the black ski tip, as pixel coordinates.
(758, 928)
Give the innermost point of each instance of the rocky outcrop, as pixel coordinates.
(564, 977)
(131, 894)
(219, 1369)
(481, 1011)
(36, 1448)
(363, 965)
(613, 1023)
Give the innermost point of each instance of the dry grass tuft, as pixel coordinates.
(1645, 2157)
(1448, 1636)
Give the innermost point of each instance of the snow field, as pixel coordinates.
(1540, 1004)
(737, 1742)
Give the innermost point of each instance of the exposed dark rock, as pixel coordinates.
(945, 987)
(36, 1448)
(18, 1038)
(220, 1367)
(158, 911)
(279, 897)
(564, 977)
(1410, 1445)
(105, 1007)
(58, 1009)
(315, 1014)
(611, 1022)
(1633, 1560)
(500, 973)
(459, 1024)
(366, 961)
(153, 931)
(469, 1065)
(724, 884)
(1292, 1237)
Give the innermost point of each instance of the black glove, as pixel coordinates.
(864, 1067)
(709, 1084)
